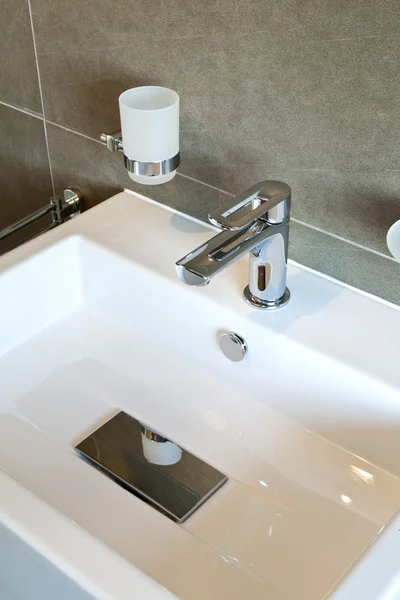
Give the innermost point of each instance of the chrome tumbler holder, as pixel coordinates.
(113, 143)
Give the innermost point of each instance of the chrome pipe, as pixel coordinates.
(29, 237)
(61, 209)
(37, 214)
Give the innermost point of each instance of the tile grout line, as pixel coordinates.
(342, 239)
(216, 189)
(303, 223)
(25, 111)
(206, 184)
(41, 96)
(295, 170)
(87, 137)
(249, 32)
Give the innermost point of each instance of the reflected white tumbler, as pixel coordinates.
(161, 453)
(150, 130)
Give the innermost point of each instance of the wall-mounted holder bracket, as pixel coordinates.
(113, 143)
(65, 207)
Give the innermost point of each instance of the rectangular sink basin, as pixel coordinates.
(94, 321)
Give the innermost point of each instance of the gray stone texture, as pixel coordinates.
(305, 91)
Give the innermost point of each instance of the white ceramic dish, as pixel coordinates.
(393, 240)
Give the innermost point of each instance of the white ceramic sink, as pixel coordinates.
(25, 573)
(307, 428)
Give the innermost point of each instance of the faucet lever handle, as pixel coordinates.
(267, 200)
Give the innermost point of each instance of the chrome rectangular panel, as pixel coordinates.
(175, 490)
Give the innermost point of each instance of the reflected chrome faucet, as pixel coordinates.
(255, 221)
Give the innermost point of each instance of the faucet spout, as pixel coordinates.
(202, 264)
(256, 222)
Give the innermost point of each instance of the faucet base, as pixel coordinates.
(265, 304)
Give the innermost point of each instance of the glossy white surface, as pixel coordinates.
(24, 573)
(66, 546)
(293, 425)
(393, 240)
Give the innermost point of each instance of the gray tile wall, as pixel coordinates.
(24, 168)
(299, 90)
(25, 179)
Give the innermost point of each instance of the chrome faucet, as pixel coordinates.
(255, 222)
